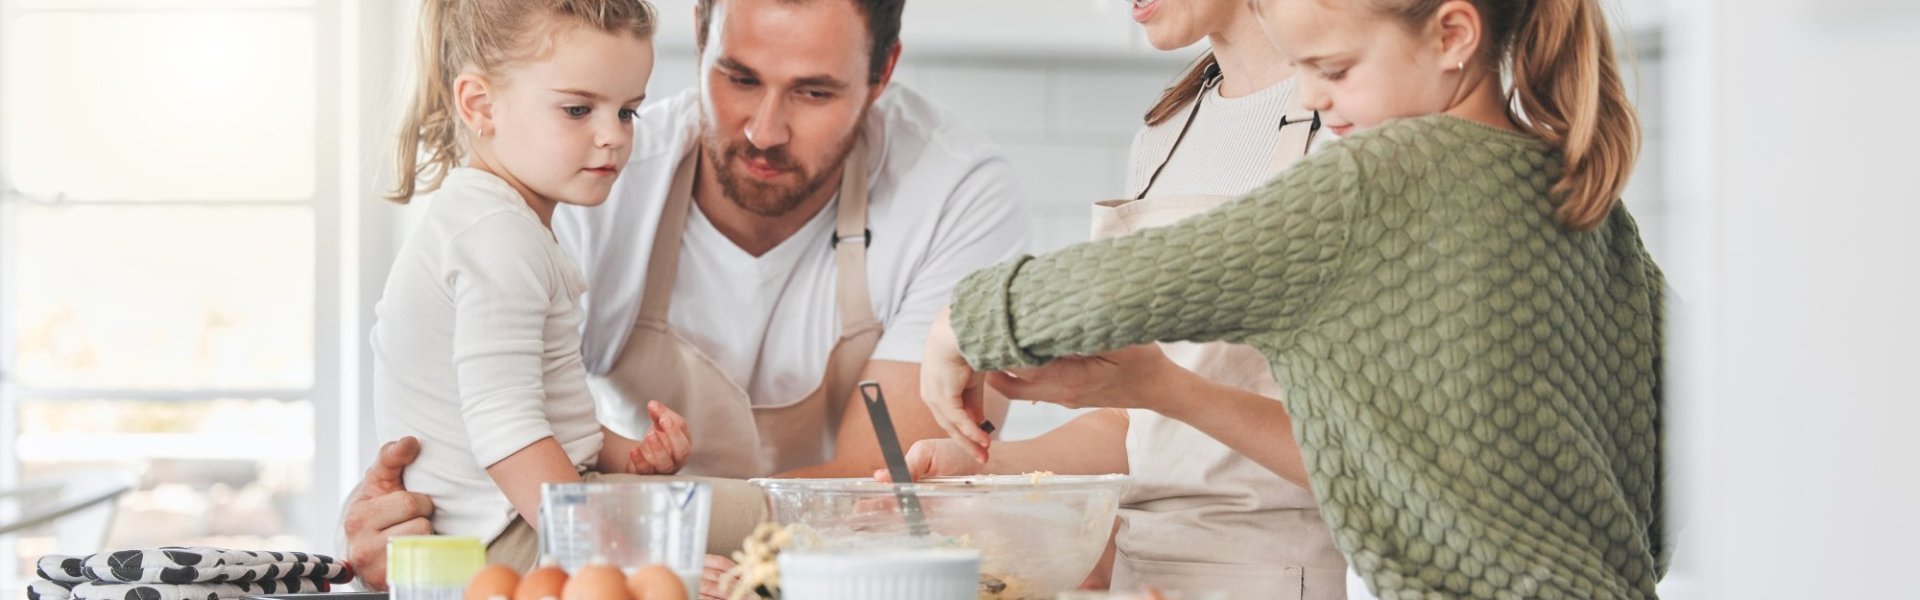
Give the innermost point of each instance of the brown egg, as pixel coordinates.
(656, 582)
(542, 583)
(495, 582)
(598, 581)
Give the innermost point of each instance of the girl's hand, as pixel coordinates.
(937, 458)
(1132, 377)
(952, 390)
(666, 448)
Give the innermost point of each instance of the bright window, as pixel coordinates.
(169, 211)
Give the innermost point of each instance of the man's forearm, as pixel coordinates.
(857, 450)
(615, 450)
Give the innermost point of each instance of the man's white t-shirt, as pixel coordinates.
(943, 202)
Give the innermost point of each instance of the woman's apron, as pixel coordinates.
(1181, 527)
(731, 436)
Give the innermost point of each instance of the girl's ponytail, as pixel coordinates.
(1567, 87)
(429, 144)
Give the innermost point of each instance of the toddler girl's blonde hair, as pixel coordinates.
(486, 35)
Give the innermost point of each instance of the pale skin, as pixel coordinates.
(1359, 69)
(557, 128)
(803, 95)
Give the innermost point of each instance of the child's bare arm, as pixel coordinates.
(616, 452)
(520, 474)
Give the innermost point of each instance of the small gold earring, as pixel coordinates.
(1460, 67)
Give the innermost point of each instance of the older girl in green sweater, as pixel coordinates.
(1466, 322)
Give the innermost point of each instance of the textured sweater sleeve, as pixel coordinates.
(1250, 268)
(501, 294)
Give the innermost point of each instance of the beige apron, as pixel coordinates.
(731, 436)
(1199, 516)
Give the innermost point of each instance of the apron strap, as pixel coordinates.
(663, 263)
(859, 331)
(850, 240)
(1213, 79)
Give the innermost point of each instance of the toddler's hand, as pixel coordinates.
(665, 449)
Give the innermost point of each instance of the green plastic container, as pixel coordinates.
(433, 567)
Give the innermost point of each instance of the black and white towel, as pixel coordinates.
(49, 590)
(65, 570)
(185, 573)
(95, 590)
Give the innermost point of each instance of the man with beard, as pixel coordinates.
(784, 231)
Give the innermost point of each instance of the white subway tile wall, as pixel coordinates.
(997, 97)
(1105, 100)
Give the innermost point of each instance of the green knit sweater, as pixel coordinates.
(1475, 389)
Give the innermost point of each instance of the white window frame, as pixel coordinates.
(347, 280)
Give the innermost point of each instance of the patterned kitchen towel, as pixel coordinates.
(62, 569)
(195, 591)
(183, 565)
(49, 590)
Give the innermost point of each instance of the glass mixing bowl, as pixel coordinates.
(1037, 534)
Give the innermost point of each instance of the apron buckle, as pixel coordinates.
(866, 238)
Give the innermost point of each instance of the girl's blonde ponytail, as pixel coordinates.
(1567, 87)
(429, 144)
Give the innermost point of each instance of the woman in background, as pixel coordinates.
(1200, 515)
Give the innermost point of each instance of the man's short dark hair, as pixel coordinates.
(883, 25)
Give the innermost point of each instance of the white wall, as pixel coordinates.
(1794, 130)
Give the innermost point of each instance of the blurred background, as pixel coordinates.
(191, 244)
